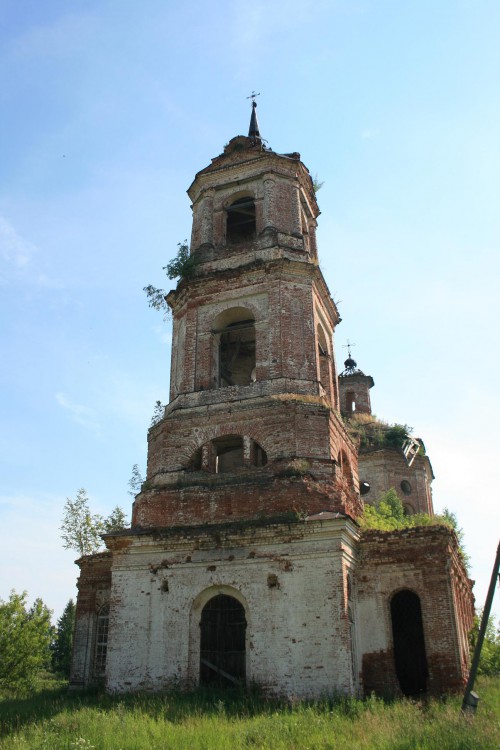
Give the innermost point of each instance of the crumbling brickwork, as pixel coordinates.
(425, 561)
(387, 468)
(94, 585)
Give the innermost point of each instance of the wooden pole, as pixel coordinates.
(470, 701)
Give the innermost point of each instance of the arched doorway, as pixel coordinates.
(222, 642)
(409, 644)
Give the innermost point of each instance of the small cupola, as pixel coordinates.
(354, 388)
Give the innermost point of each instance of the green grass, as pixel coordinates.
(54, 719)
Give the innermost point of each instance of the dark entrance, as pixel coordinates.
(409, 645)
(222, 646)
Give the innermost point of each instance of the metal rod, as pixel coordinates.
(470, 700)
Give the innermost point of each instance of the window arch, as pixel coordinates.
(241, 222)
(235, 347)
(101, 641)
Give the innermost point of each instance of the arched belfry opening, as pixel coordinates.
(409, 644)
(228, 453)
(222, 642)
(235, 347)
(241, 222)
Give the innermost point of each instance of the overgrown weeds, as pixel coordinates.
(55, 719)
(371, 433)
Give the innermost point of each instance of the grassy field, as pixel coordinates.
(53, 719)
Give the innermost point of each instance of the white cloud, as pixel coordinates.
(83, 415)
(15, 251)
(17, 256)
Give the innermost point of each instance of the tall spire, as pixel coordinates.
(253, 130)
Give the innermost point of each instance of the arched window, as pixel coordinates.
(409, 645)
(101, 641)
(350, 402)
(325, 370)
(235, 335)
(241, 226)
(222, 642)
(345, 467)
(228, 453)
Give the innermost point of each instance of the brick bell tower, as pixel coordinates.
(240, 560)
(253, 426)
(244, 563)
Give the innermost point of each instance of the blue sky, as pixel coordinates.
(108, 111)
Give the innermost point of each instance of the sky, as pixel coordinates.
(108, 110)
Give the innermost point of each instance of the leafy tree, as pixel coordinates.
(116, 521)
(25, 638)
(180, 267)
(489, 663)
(62, 645)
(158, 413)
(389, 514)
(80, 529)
(316, 183)
(452, 521)
(183, 265)
(136, 480)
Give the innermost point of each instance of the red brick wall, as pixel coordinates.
(424, 560)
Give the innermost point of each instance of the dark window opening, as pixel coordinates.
(237, 354)
(325, 370)
(241, 226)
(409, 645)
(406, 487)
(350, 402)
(196, 460)
(222, 642)
(345, 466)
(228, 454)
(259, 457)
(101, 641)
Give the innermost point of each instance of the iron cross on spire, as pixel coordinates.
(252, 97)
(348, 347)
(253, 130)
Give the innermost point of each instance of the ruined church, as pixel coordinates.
(245, 562)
